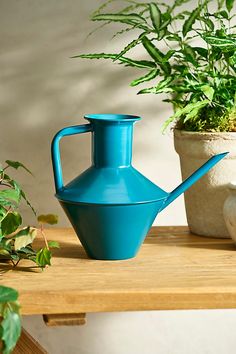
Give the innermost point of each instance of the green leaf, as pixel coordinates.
(43, 257)
(105, 4)
(7, 203)
(229, 4)
(155, 15)
(149, 76)
(23, 240)
(50, 219)
(11, 181)
(162, 86)
(102, 7)
(124, 30)
(201, 51)
(3, 212)
(216, 54)
(17, 164)
(173, 37)
(11, 222)
(131, 45)
(168, 55)
(124, 60)
(192, 114)
(192, 109)
(190, 55)
(53, 244)
(11, 330)
(28, 202)
(180, 2)
(14, 257)
(23, 232)
(165, 20)
(4, 252)
(223, 14)
(208, 91)
(186, 111)
(10, 194)
(208, 22)
(220, 3)
(180, 16)
(188, 24)
(7, 294)
(225, 44)
(14, 306)
(232, 60)
(156, 54)
(27, 251)
(124, 18)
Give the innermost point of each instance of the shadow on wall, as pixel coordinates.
(43, 90)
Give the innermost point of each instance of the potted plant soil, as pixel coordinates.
(189, 55)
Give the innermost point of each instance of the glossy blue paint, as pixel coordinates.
(111, 205)
(111, 232)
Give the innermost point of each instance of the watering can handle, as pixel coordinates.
(55, 150)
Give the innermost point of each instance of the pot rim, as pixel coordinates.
(180, 133)
(232, 185)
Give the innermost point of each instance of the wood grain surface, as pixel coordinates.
(173, 270)
(28, 345)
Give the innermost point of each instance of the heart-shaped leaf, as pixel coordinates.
(25, 239)
(11, 222)
(53, 244)
(17, 164)
(7, 294)
(10, 194)
(50, 219)
(43, 257)
(11, 330)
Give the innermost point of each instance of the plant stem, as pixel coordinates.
(44, 236)
(5, 184)
(17, 263)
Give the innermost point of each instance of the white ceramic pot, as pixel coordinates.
(205, 199)
(229, 210)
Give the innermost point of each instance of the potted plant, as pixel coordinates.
(192, 60)
(16, 245)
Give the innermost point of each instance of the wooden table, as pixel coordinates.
(173, 270)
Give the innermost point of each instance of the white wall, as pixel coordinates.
(43, 90)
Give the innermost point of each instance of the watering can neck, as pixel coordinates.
(112, 143)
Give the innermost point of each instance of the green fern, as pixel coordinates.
(199, 81)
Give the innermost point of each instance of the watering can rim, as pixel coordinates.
(112, 117)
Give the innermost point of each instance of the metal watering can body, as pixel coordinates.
(111, 205)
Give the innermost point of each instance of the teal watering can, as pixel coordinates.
(111, 205)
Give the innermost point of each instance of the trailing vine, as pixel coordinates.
(16, 245)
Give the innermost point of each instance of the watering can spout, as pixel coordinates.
(193, 178)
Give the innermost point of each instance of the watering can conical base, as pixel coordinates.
(111, 232)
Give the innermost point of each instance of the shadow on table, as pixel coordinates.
(224, 246)
(69, 250)
(192, 241)
(6, 267)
